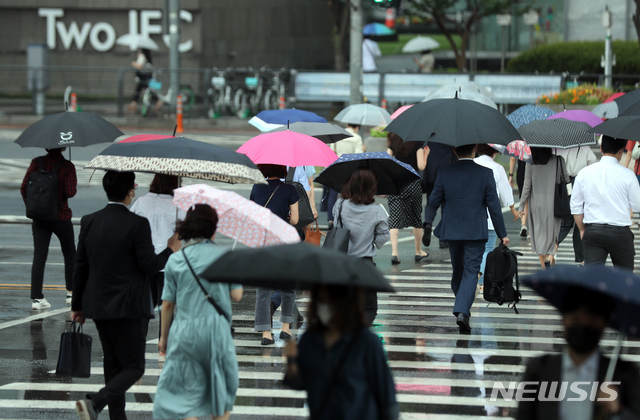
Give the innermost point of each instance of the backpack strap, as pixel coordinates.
(290, 174)
(518, 295)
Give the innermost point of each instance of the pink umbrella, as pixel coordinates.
(518, 149)
(145, 137)
(238, 218)
(579, 115)
(400, 111)
(612, 97)
(288, 148)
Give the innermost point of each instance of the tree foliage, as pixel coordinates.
(340, 16)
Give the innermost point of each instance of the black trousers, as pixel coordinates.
(370, 301)
(123, 344)
(603, 240)
(42, 231)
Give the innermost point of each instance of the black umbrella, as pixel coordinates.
(627, 100)
(392, 174)
(621, 285)
(178, 156)
(326, 132)
(69, 129)
(299, 266)
(627, 128)
(456, 122)
(633, 110)
(559, 133)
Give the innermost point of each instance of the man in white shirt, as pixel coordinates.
(603, 195)
(576, 158)
(370, 51)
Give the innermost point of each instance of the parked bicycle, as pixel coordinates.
(227, 94)
(154, 98)
(277, 89)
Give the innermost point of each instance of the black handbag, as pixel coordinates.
(338, 237)
(74, 359)
(561, 201)
(305, 214)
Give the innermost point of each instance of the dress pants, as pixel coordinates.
(489, 246)
(370, 301)
(42, 231)
(429, 211)
(331, 201)
(123, 344)
(466, 257)
(602, 240)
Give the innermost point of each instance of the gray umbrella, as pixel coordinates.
(364, 114)
(607, 110)
(558, 133)
(325, 132)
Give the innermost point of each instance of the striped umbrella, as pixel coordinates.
(559, 133)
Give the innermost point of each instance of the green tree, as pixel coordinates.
(443, 13)
(340, 16)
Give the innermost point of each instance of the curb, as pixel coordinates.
(23, 220)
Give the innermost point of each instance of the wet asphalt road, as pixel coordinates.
(439, 373)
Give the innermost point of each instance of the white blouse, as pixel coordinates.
(162, 216)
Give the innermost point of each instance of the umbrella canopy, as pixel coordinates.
(178, 156)
(325, 132)
(377, 29)
(627, 128)
(269, 120)
(135, 41)
(559, 133)
(528, 113)
(578, 115)
(400, 111)
(392, 174)
(288, 148)
(612, 97)
(631, 111)
(621, 285)
(519, 149)
(363, 114)
(455, 122)
(238, 218)
(466, 87)
(419, 44)
(628, 99)
(299, 266)
(466, 95)
(69, 129)
(606, 110)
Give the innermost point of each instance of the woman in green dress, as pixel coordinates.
(200, 374)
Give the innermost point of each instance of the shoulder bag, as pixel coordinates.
(207, 295)
(635, 153)
(338, 237)
(561, 202)
(305, 214)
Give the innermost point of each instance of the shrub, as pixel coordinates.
(587, 94)
(577, 56)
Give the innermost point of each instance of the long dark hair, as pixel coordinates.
(400, 148)
(147, 54)
(541, 155)
(361, 187)
(201, 222)
(163, 184)
(348, 305)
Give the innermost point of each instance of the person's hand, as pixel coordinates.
(521, 214)
(610, 407)
(505, 241)
(426, 152)
(364, 147)
(515, 213)
(77, 316)
(315, 212)
(174, 243)
(162, 344)
(582, 234)
(511, 180)
(290, 350)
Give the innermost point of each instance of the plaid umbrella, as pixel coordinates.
(238, 218)
(526, 114)
(178, 156)
(606, 110)
(559, 133)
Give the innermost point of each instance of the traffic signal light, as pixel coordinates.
(387, 3)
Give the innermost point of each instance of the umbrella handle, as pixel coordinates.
(238, 234)
(614, 358)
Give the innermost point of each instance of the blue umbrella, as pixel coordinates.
(393, 175)
(377, 29)
(528, 113)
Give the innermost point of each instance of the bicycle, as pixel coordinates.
(277, 89)
(257, 85)
(217, 93)
(152, 94)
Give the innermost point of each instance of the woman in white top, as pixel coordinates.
(142, 64)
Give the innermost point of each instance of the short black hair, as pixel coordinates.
(541, 155)
(353, 126)
(118, 184)
(612, 145)
(270, 170)
(484, 149)
(597, 303)
(55, 150)
(201, 221)
(465, 150)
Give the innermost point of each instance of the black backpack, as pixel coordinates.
(501, 267)
(305, 214)
(43, 201)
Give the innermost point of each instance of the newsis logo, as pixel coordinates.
(66, 138)
(554, 391)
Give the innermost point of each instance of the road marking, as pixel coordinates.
(34, 317)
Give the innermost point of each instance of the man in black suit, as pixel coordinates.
(114, 261)
(585, 315)
(465, 191)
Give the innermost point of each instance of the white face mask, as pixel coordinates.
(324, 311)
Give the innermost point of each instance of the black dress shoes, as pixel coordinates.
(395, 260)
(285, 336)
(463, 322)
(267, 342)
(426, 235)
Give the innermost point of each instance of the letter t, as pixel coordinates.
(51, 15)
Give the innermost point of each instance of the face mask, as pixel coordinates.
(324, 312)
(583, 339)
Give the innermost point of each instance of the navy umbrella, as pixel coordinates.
(272, 119)
(299, 266)
(621, 285)
(392, 174)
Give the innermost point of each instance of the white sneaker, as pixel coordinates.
(69, 297)
(524, 231)
(38, 304)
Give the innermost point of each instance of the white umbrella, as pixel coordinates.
(135, 41)
(263, 126)
(468, 95)
(466, 87)
(364, 114)
(419, 44)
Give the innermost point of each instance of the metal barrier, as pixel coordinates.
(519, 89)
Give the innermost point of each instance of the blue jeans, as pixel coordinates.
(491, 244)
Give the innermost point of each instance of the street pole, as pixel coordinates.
(174, 53)
(355, 66)
(608, 53)
(503, 56)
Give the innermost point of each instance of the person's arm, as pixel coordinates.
(495, 210)
(634, 194)
(421, 155)
(146, 256)
(436, 199)
(381, 234)
(358, 145)
(80, 275)
(312, 198)
(236, 294)
(167, 319)
(628, 153)
(293, 214)
(389, 151)
(577, 204)
(591, 157)
(512, 166)
(418, 62)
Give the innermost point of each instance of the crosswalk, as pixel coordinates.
(439, 374)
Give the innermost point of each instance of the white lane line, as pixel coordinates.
(382, 301)
(30, 318)
(25, 263)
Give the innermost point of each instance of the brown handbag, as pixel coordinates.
(313, 236)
